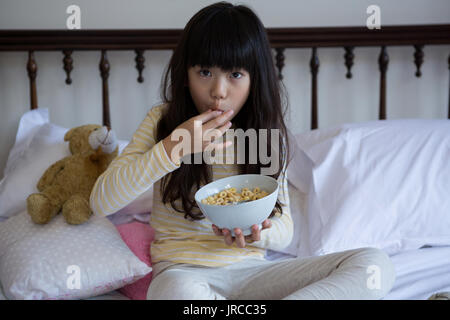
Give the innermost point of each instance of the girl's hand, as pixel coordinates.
(199, 128)
(239, 238)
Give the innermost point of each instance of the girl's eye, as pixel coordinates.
(205, 73)
(236, 75)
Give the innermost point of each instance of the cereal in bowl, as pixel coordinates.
(230, 196)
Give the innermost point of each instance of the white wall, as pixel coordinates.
(129, 14)
(340, 100)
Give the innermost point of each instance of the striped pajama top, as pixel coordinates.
(142, 164)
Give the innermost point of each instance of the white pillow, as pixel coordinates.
(20, 179)
(44, 261)
(383, 184)
(299, 176)
(29, 123)
(297, 204)
(299, 169)
(40, 143)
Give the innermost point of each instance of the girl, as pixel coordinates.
(222, 76)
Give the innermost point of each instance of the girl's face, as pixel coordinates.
(216, 89)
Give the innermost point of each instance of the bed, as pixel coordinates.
(383, 197)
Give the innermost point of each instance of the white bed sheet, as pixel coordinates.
(421, 273)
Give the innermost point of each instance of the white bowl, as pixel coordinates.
(240, 215)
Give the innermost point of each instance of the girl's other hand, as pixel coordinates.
(239, 238)
(208, 120)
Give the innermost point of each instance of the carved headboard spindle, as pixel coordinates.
(68, 65)
(314, 66)
(383, 61)
(32, 72)
(104, 73)
(349, 57)
(140, 64)
(418, 59)
(280, 61)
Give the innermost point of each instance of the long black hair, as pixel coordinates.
(229, 37)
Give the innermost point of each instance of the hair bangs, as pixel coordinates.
(216, 44)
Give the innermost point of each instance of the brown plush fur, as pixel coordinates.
(66, 185)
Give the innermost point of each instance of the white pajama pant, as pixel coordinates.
(365, 273)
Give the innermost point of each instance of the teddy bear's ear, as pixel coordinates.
(69, 134)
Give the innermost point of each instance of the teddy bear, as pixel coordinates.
(67, 184)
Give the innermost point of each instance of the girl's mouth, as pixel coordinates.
(216, 109)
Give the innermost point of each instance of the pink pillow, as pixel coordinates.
(138, 237)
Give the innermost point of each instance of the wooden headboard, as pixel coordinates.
(347, 38)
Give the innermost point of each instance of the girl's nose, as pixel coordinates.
(219, 89)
